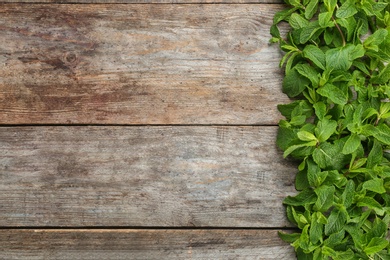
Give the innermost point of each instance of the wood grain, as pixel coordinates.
(143, 244)
(147, 1)
(143, 176)
(138, 64)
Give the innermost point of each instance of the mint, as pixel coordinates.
(337, 71)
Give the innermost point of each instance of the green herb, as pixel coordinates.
(337, 72)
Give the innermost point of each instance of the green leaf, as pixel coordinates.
(315, 176)
(315, 54)
(297, 22)
(383, 77)
(305, 197)
(309, 31)
(375, 245)
(382, 134)
(335, 239)
(325, 128)
(324, 19)
(375, 185)
(289, 238)
(294, 83)
(337, 59)
(292, 148)
(348, 193)
(320, 110)
(332, 92)
(308, 72)
(325, 198)
(306, 136)
(330, 5)
(347, 9)
(336, 221)
(375, 156)
(329, 156)
(316, 229)
(301, 181)
(372, 204)
(375, 39)
(311, 9)
(352, 144)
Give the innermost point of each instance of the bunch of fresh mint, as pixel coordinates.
(337, 72)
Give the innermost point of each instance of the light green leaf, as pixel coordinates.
(316, 229)
(315, 54)
(311, 9)
(325, 128)
(375, 156)
(383, 134)
(336, 221)
(289, 238)
(292, 148)
(320, 110)
(338, 59)
(332, 92)
(324, 20)
(375, 185)
(306, 136)
(372, 204)
(352, 144)
(305, 197)
(330, 5)
(375, 245)
(347, 9)
(325, 198)
(376, 38)
(297, 22)
(347, 196)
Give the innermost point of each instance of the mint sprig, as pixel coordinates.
(337, 72)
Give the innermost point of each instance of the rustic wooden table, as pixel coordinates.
(137, 130)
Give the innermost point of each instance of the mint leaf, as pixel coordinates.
(352, 144)
(325, 198)
(347, 9)
(305, 197)
(332, 92)
(294, 83)
(375, 245)
(375, 185)
(315, 54)
(336, 221)
(325, 128)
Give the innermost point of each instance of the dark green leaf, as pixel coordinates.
(294, 83)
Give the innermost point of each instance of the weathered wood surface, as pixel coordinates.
(138, 64)
(143, 244)
(143, 176)
(147, 1)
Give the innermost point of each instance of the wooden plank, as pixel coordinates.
(138, 64)
(147, 1)
(143, 244)
(143, 176)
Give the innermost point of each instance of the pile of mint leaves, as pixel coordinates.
(337, 74)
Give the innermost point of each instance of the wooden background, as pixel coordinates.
(141, 130)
